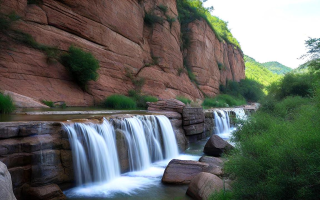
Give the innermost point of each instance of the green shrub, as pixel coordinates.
(82, 66)
(141, 100)
(150, 19)
(52, 53)
(163, 8)
(250, 89)
(192, 76)
(223, 100)
(170, 20)
(183, 99)
(7, 20)
(48, 103)
(277, 155)
(221, 195)
(221, 66)
(294, 85)
(6, 104)
(119, 102)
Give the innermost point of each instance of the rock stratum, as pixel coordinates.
(116, 34)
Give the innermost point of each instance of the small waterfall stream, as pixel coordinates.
(222, 121)
(149, 139)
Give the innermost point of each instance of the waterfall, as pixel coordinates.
(240, 114)
(94, 152)
(222, 122)
(148, 138)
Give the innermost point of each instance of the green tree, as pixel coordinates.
(313, 53)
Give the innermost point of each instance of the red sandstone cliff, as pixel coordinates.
(115, 33)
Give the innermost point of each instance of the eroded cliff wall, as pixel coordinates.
(115, 33)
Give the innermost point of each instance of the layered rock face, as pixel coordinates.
(115, 33)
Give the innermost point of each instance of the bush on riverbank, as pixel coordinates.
(277, 155)
(6, 104)
(183, 99)
(141, 100)
(250, 89)
(118, 101)
(223, 100)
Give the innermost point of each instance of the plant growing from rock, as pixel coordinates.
(6, 104)
(163, 8)
(82, 66)
(151, 18)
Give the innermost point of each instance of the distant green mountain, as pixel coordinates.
(258, 72)
(277, 67)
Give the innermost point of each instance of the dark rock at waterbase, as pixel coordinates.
(216, 146)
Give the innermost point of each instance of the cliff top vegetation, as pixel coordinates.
(190, 10)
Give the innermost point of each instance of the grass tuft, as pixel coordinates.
(119, 102)
(6, 104)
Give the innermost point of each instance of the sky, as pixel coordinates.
(271, 30)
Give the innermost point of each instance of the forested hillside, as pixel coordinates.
(277, 67)
(256, 71)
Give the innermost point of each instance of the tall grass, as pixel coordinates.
(6, 104)
(119, 102)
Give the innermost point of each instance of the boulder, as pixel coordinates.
(215, 164)
(51, 191)
(204, 184)
(182, 171)
(6, 191)
(216, 146)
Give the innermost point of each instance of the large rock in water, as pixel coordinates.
(182, 171)
(6, 192)
(216, 146)
(215, 164)
(204, 184)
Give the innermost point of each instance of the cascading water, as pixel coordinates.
(149, 139)
(94, 152)
(222, 122)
